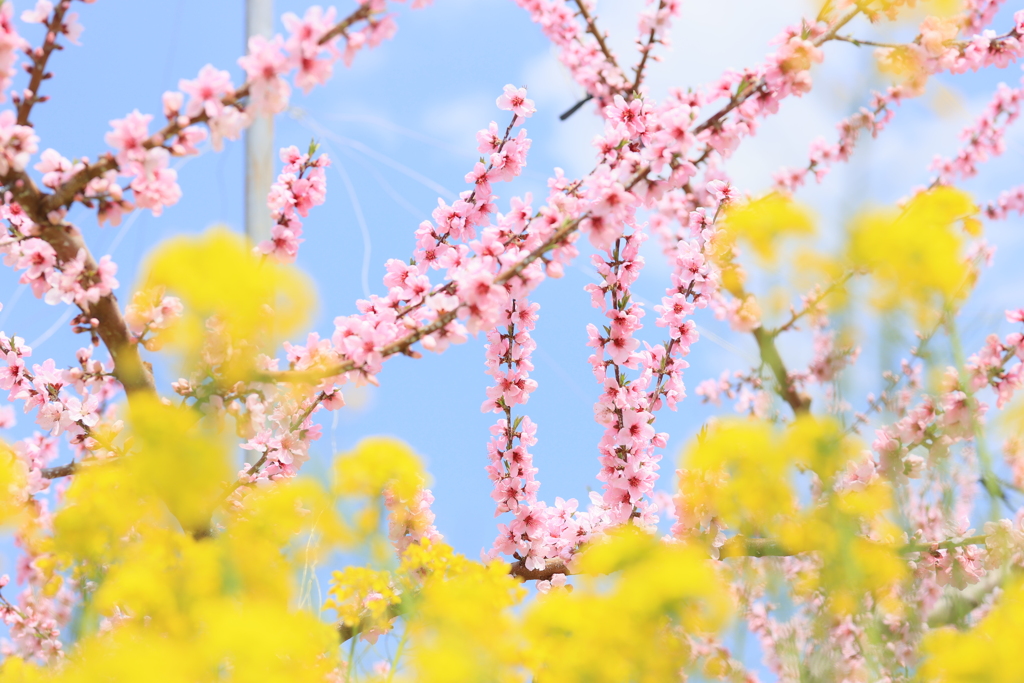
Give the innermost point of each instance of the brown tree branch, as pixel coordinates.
(60, 471)
(593, 30)
(646, 51)
(67, 242)
(40, 56)
(551, 567)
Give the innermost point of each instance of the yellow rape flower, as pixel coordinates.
(12, 485)
(915, 255)
(764, 222)
(988, 652)
(378, 464)
(628, 626)
(363, 597)
(739, 474)
(820, 444)
(180, 459)
(234, 301)
(462, 627)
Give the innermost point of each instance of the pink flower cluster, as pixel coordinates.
(43, 13)
(17, 143)
(629, 465)
(473, 265)
(872, 119)
(936, 49)
(301, 185)
(42, 608)
(71, 281)
(45, 389)
(1008, 201)
(939, 50)
(44, 603)
(581, 52)
(538, 532)
(311, 49)
(979, 14)
(985, 139)
(271, 429)
(10, 45)
(313, 59)
(154, 184)
(937, 423)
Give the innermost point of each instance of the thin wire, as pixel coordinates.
(308, 122)
(9, 306)
(563, 375)
(386, 186)
(123, 231)
(38, 341)
(388, 125)
(362, 226)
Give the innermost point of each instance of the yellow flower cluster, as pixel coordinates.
(916, 254)
(988, 652)
(743, 475)
(763, 223)
(235, 303)
(633, 625)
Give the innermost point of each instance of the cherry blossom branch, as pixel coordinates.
(68, 247)
(40, 56)
(811, 304)
(1007, 201)
(403, 344)
(956, 605)
(985, 138)
(822, 155)
(45, 210)
(69, 190)
(747, 90)
(742, 546)
(936, 52)
(342, 26)
(550, 569)
(574, 108)
(648, 45)
(857, 42)
(593, 30)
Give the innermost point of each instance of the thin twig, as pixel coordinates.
(40, 56)
(646, 51)
(574, 108)
(592, 29)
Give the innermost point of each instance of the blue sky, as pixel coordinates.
(400, 126)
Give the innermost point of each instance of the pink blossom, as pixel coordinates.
(206, 92)
(39, 14)
(514, 100)
(264, 66)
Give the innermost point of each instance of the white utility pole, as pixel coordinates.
(259, 139)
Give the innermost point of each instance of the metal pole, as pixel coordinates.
(259, 139)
